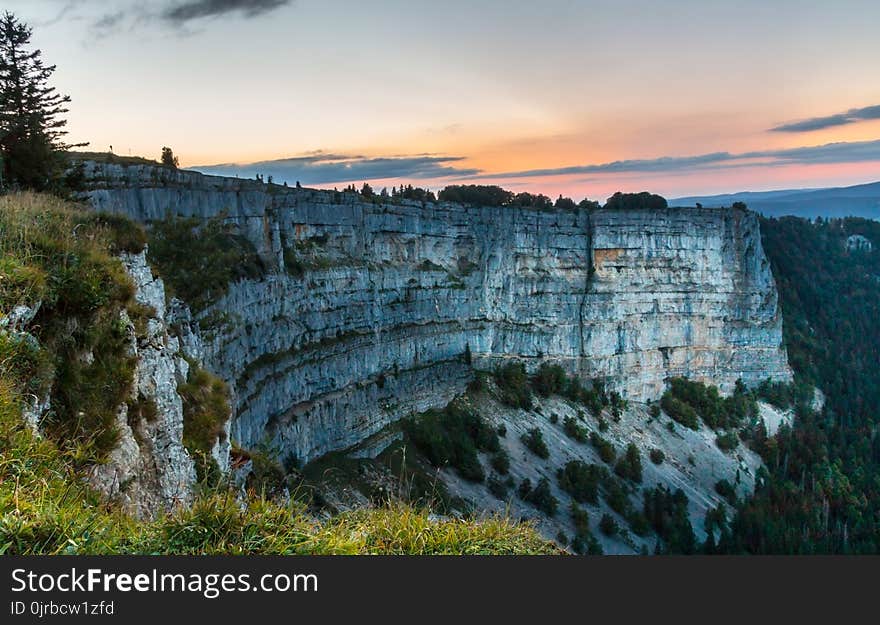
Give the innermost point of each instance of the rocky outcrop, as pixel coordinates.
(373, 309)
(150, 471)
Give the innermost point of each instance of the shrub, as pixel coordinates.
(726, 490)
(657, 456)
(592, 398)
(542, 497)
(781, 394)
(267, 477)
(654, 410)
(513, 386)
(680, 411)
(548, 380)
(200, 259)
(574, 430)
(534, 440)
(479, 383)
(616, 496)
(638, 523)
(479, 195)
(607, 525)
(580, 518)
(524, 489)
(686, 400)
(586, 544)
(668, 515)
(293, 265)
(205, 411)
(501, 462)
(635, 201)
(604, 447)
(497, 487)
(453, 437)
(727, 441)
(630, 465)
(580, 480)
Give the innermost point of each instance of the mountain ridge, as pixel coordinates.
(862, 200)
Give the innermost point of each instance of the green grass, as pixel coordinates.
(109, 157)
(205, 411)
(47, 510)
(60, 257)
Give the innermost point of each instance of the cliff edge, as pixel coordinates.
(372, 309)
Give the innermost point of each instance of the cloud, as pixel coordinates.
(66, 12)
(325, 168)
(183, 12)
(851, 116)
(109, 21)
(844, 152)
(177, 14)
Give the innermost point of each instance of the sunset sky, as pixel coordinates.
(576, 97)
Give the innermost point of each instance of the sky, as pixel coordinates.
(580, 98)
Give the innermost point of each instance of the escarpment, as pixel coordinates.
(372, 309)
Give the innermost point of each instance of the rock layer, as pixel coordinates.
(389, 301)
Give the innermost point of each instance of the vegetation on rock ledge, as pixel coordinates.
(200, 259)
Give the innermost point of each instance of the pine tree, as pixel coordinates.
(31, 112)
(169, 160)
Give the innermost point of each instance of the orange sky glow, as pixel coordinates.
(503, 87)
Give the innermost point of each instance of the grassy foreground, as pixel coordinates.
(45, 509)
(63, 257)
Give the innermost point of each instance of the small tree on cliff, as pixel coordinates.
(168, 158)
(31, 112)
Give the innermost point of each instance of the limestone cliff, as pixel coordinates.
(387, 298)
(150, 471)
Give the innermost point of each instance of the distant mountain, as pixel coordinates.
(860, 201)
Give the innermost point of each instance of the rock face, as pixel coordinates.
(150, 471)
(380, 305)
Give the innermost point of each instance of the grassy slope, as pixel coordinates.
(44, 506)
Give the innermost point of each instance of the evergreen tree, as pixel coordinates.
(31, 112)
(169, 160)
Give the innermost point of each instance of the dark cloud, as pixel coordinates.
(109, 21)
(325, 168)
(178, 14)
(852, 116)
(183, 12)
(845, 152)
